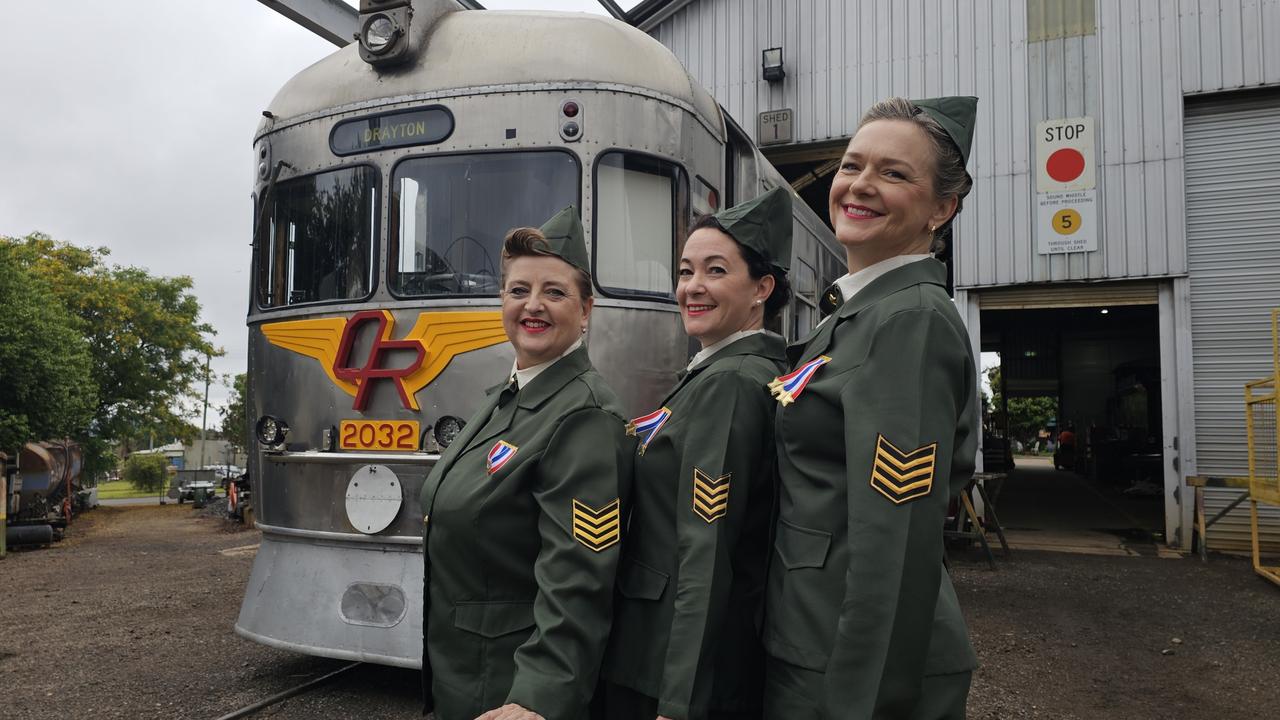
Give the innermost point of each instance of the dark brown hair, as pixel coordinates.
(530, 242)
(757, 267)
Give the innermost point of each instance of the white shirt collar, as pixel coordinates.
(716, 347)
(526, 376)
(853, 283)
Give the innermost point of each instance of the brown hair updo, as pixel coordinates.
(530, 242)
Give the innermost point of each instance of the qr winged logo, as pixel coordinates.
(434, 340)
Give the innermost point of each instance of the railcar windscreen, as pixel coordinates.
(317, 243)
(449, 214)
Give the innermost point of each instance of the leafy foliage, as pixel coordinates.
(149, 472)
(46, 391)
(1027, 415)
(145, 341)
(235, 417)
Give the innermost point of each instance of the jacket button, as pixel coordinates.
(425, 518)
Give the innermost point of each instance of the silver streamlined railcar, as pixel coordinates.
(387, 175)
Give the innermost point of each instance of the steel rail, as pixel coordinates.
(285, 695)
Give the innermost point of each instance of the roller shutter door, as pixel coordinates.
(1233, 255)
(1031, 297)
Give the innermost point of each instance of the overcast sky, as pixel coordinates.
(128, 125)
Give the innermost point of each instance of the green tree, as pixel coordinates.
(145, 338)
(235, 416)
(1027, 415)
(147, 472)
(45, 387)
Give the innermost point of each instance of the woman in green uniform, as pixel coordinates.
(521, 513)
(685, 641)
(876, 431)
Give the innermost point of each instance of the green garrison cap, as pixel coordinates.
(956, 115)
(566, 240)
(763, 224)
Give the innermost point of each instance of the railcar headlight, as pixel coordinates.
(379, 34)
(447, 429)
(270, 430)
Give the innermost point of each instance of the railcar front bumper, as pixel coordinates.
(332, 597)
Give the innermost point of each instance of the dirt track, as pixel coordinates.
(131, 617)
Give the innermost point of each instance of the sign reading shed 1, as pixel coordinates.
(773, 127)
(1066, 184)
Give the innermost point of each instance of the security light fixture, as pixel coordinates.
(771, 64)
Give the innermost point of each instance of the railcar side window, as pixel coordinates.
(804, 283)
(638, 201)
(317, 242)
(449, 214)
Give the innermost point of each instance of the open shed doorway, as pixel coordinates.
(1074, 419)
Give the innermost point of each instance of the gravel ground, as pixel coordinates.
(1083, 636)
(131, 617)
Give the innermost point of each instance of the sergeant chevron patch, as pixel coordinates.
(903, 476)
(597, 529)
(710, 497)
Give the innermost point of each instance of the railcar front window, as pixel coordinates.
(317, 241)
(450, 213)
(638, 201)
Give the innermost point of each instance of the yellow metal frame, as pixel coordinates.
(1264, 487)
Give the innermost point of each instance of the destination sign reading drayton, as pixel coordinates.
(415, 127)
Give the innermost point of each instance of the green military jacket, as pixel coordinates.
(870, 451)
(521, 535)
(691, 582)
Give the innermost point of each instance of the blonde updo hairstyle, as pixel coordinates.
(530, 242)
(949, 176)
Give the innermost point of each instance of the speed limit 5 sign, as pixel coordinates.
(1067, 222)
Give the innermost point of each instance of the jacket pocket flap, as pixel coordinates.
(641, 582)
(801, 547)
(493, 619)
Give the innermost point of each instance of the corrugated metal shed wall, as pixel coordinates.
(842, 55)
(1233, 247)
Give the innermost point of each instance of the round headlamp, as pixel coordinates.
(447, 429)
(379, 34)
(270, 430)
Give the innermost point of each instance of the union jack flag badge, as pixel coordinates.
(501, 452)
(647, 427)
(788, 387)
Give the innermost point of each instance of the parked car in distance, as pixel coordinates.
(188, 491)
(225, 471)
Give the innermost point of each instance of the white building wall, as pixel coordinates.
(842, 55)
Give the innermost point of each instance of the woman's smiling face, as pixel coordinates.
(716, 292)
(542, 310)
(882, 201)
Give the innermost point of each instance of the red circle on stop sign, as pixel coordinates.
(1065, 165)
